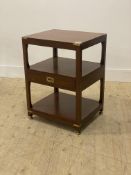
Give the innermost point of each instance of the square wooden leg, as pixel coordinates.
(102, 87)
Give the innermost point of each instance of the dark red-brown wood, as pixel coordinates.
(70, 74)
(62, 106)
(65, 39)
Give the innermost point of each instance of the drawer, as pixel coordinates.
(54, 80)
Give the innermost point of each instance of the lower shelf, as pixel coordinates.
(61, 106)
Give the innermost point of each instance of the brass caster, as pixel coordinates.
(30, 114)
(101, 111)
(77, 129)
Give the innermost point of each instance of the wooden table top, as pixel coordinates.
(66, 36)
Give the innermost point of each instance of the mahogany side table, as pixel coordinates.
(70, 74)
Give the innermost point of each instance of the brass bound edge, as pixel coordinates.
(75, 125)
(25, 37)
(77, 43)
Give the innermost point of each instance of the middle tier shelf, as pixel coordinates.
(61, 73)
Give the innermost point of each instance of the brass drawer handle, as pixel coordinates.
(50, 79)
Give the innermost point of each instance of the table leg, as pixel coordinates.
(78, 88)
(27, 83)
(102, 80)
(55, 62)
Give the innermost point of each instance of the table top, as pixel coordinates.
(76, 38)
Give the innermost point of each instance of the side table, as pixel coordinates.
(70, 74)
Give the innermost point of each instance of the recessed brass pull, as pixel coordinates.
(50, 79)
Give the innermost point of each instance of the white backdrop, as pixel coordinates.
(23, 17)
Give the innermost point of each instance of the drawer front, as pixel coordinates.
(53, 80)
